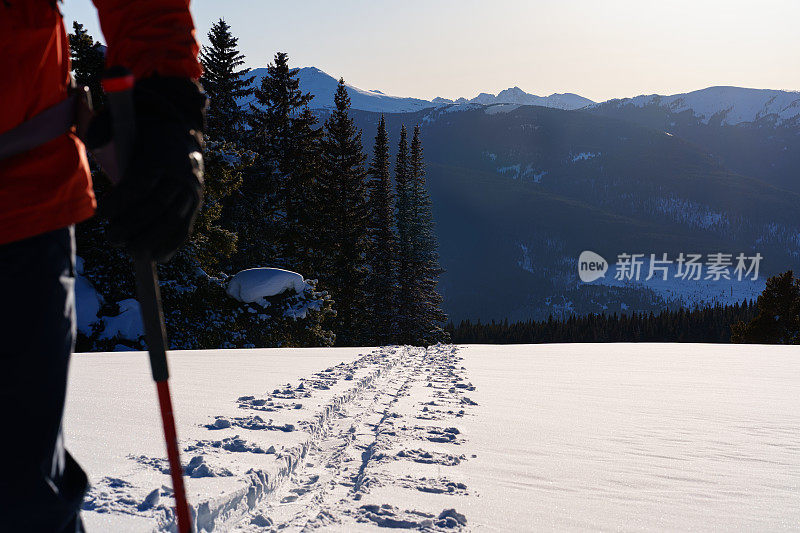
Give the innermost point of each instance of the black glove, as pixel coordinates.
(154, 206)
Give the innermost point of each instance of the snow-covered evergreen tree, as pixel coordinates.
(344, 219)
(382, 247)
(208, 317)
(198, 312)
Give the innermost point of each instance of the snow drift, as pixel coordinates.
(256, 284)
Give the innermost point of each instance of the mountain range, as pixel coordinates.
(323, 87)
(521, 187)
(722, 105)
(515, 95)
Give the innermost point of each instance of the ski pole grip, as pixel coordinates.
(152, 316)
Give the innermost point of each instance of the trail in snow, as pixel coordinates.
(307, 455)
(379, 440)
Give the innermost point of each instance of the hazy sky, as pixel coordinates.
(600, 49)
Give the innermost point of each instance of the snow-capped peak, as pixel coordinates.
(728, 105)
(513, 92)
(515, 95)
(323, 86)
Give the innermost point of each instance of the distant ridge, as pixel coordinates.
(515, 95)
(723, 104)
(323, 86)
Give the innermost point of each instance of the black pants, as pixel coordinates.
(41, 486)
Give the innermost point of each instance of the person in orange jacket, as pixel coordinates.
(46, 189)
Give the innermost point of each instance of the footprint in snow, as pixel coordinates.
(250, 422)
(426, 457)
(231, 444)
(440, 485)
(196, 468)
(393, 517)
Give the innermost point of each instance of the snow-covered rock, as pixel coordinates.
(255, 284)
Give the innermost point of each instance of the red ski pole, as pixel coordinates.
(118, 85)
(152, 315)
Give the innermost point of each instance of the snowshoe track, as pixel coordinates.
(364, 444)
(393, 407)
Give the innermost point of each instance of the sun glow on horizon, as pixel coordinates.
(451, 49)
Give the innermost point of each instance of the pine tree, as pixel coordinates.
(382, 249)
(211, 243)
(224, 83)
(344, 216)
(278, 222)
(419, 314)
(110, 269)
(778, 320)
(405, 227)
(198, 312)
(428, 315)
(88, 61)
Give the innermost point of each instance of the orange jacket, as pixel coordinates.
(49, 187)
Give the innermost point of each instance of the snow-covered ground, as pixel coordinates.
(485, 438)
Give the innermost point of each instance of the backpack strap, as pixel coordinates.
(47, 125)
